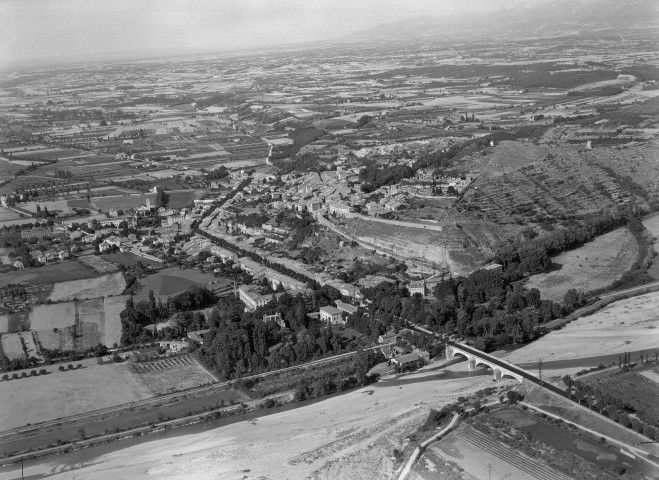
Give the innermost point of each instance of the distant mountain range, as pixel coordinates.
(607, 17)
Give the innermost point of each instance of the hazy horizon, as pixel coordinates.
(60, 31)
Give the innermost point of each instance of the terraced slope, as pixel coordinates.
(565, 185)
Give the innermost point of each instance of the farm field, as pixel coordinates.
(106, 285)
(32, 180)
(569, 410)
(595, 265)
(509, 155)
(66, 393)
(8, 170)
(19, 221)
(171, 281)
(11, 346)
(170, 374)
(128, 259)
(98, 264)
(624, 326)
(30, 345)
(59, 272)
(634, 388)
(182, 198)
(48, 317)
(124, 417)
(652, 224)
(99, 319)
(564, 440)
(52, 205)
(7, 214)
(466, 443)
(421, 208)
(124, 202)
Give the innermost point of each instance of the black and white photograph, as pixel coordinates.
(329, 240)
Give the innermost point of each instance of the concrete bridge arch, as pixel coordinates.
(498, 371)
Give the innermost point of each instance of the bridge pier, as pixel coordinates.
(472, 363)
(448, 352)
(497, 374)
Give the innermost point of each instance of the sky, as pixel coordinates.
(81, 30)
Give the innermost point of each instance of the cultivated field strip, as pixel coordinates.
(168, 375)
(160, 365)
(638, 391)
(533, 468)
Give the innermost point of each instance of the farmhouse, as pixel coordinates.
(332, 315)
(387, 351)
(423, 355)
(175, 345)
(224, 254)
(40, 233)
(410, 360)
(417, 287)
(198, 336)
(494, 267)
(387, 338)
(252, 298)
(345, 307)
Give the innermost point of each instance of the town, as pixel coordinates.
(451, 234)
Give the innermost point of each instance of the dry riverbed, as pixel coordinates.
(346, 436)
(628, 325)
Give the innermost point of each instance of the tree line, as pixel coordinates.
(488, 307)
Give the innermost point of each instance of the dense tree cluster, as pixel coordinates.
(360, 269)
(375, 175)
(146, 312)
(302, 226)
(486, 306)
(301, 136)
(218, 173)
(532, 255)
(252, 220)
(349, 376)
(305, 162)
(161, 198)
(241, 343)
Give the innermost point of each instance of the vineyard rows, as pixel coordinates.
(170, 374)
(533, 468)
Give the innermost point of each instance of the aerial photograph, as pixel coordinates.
(329, 239)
